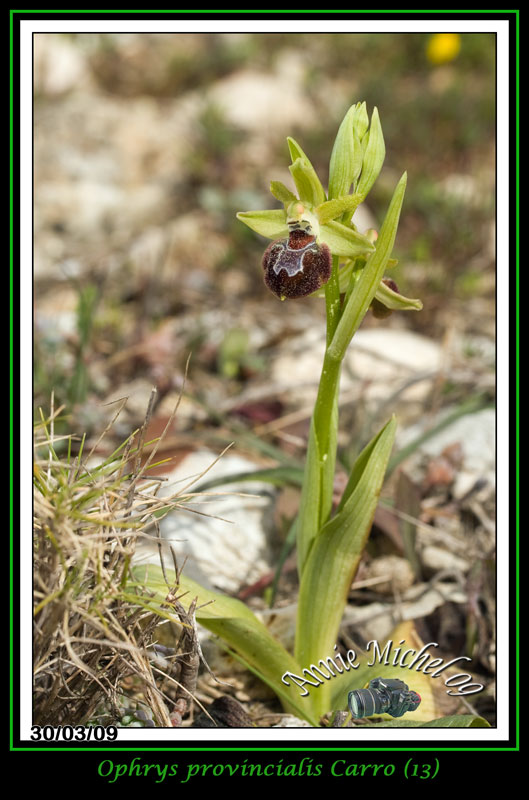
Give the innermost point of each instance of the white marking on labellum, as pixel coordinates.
(289, 258)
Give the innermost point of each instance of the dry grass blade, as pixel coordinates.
(92, 633)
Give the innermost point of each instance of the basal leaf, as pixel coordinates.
(234, 623)
(334, 556)
(454, 721)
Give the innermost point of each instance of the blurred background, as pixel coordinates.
(146, 146)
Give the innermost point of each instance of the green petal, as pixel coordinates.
(271, 224)
(281, 193)
(333, 209)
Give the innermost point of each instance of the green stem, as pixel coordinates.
(318, 479)
(370, 277)
(332, 300)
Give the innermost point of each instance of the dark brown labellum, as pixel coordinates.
(297, 266)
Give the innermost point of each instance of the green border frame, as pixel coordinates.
(515, 222)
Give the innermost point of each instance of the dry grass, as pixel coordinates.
(92, 632)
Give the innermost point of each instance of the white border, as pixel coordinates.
(275, 736)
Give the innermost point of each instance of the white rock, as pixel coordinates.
(226, 541)
(378, 362)
(290, 721)
(281, 622)
(59, 65)
(259, 101)
(435, 558)
(377, 620)
(395, 569)
(388, 357)
(476, 433)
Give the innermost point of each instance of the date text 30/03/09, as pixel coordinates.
(421, 661)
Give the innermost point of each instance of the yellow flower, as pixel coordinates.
(443, 47)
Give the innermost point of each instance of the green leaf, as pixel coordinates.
(333, 209)
(235, 624)
(271, 223)
(370, 277)
(396, 301)
(281, 193)
(334, 557)
(366, 670)
(300, 706)
(344, 241)
(374, 156)
(342, 158)
(454, 721)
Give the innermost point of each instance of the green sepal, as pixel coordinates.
(396, 301)
(271, 223)
(344, 241)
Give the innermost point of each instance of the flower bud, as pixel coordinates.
(380, 311)
(297, 266)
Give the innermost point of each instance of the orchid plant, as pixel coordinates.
(317, 248)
